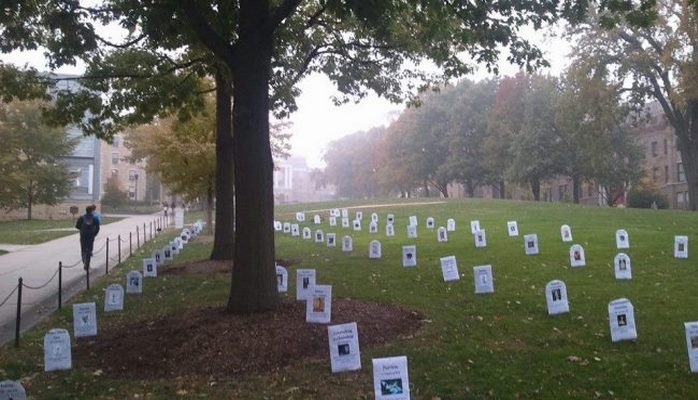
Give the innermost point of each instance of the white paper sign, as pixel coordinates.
(150, 268)
(345, 213)
(335, 213)
(174, 247)
(374, 217)
(114, 298)
(295, 230)
(409, 256)
(484, 282)
(451, 225)
(413, 220)
(680, 246)
(281, 279)
(347, 244)
(389, 230)
(430, 223)
(300, 216)
(319, 236)
(167, 253)
(134, 282)
(345, 222)
(621, 317)
(11, 390)
(158, 257)
(374, 249)
(390, 378)
(307, 233)
(577, 258)
(278, 226)
(318, 304)
(622, 239)
(531, 244)
(331, 240)
(344, 347)
(474, 226)
(412, 231)
(333, 221)
(359, 216)
(442, 235)
(57, 354)
(179, 243)
(622, 267)
(556, 297)
(692, 344)
(357, 225)
(287, 227)
(512, 228)
(566, 233)
(449, 268)
(390, 219)
(305, 280)
(84, 319)
(316, 219)
(373, 227)
(480, 239)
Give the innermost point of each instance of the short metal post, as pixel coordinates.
(106, 264)
(87, 278)
(151, 230)
(60, 284)
(138, 238)
(119, 245)
(18, 321)
(130, 244)
(145, 234)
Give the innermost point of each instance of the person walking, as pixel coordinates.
(88, 225)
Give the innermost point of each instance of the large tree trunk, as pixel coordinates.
(576, 189)
(208, 210)
(224, 237)
(30, 201)
(535, 188)
(253, 286)
(470, 187)
(688, 146)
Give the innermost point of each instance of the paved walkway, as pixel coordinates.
(37, 265)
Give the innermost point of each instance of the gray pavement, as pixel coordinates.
(37, 265)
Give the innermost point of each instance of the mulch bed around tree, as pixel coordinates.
(209, 342)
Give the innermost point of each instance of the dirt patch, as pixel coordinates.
(212, 343)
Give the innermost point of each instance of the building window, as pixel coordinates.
(114, 158)
(132, 175)
(666, 147)
(655, 174)
(654, 149)
(666, 174)
(115, 142)
(131, 194)
(680, 176)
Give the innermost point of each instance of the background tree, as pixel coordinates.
(352, 164)
(31, 158)
(113, 195)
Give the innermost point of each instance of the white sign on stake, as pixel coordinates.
(374, 249)
(345, 222)
(413, 220)
(307, 233)
(278, 226)
(281, 279)
(150, 268)
(390, 219)
(480, 239)
(474, 226)
(556, 297)
(287, 227)
(412, 231)
(158, 257)
(451, 225)
(692, 344)
(409, 256)
(295, 230)
(167, 253)
(390, 378)
(305, 280)
(389, 230)
(316, 219)
(344, 347)
(359, 215)
(577, 258)
(134, 282)
(531, 244)
(319, 236)
(449, 268)
(347, 244)
(357, 225)
(318, 304)
(373, 227)
(11, 390)
(442, 235)
(331, 240)
(57, 354)
(512, 228)
(484, 282)
(566, 233)
(333, 221)
(300, 216)
(622, 239)
(374, 217)
(680, 246)
(345, 213)
(335, 213)
(430, 223)
(84, 319)
(621, 317)
(622, 267)
(114, 298)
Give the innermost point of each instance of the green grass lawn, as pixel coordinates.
(494, 346)
(39, 230)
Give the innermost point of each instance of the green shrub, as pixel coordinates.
(644, 198)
